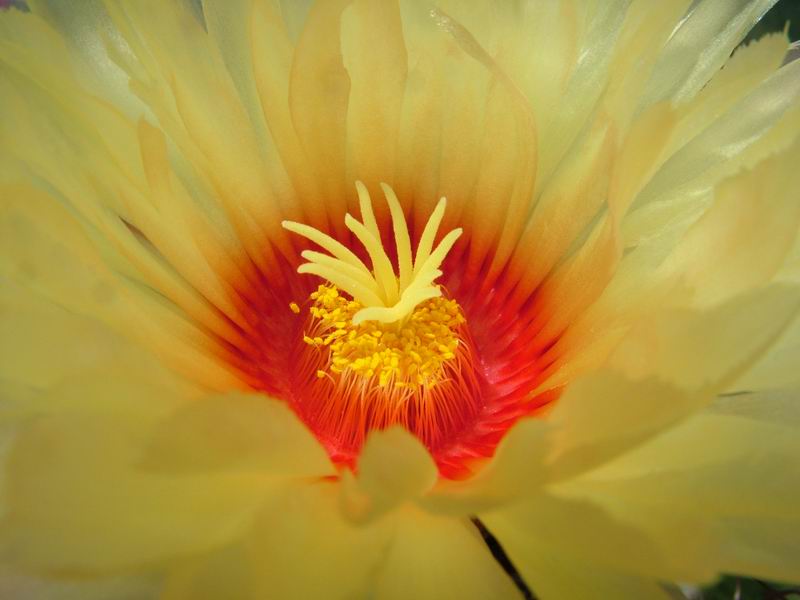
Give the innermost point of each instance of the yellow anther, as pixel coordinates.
(410, 356)
(294, 307)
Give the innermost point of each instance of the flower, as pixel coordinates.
(587, 351)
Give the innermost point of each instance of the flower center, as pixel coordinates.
(382, 346)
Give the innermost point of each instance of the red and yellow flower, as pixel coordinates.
(294, 296)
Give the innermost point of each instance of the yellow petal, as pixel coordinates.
(21, 587)
(302, 547)
(236, 432)
(709, 347)
(552, 578)
(743, 135)
(748, 67)
(722, 487)
(372, 42)
(742, 239)
(433, 558)
(393, 467)
(42, 344)
(583, 532)
(227, 573)
(688, 61)
(77, 501)
(319, 89)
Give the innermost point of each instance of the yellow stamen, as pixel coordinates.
(383, 294)
(408, 357)
(294, 307)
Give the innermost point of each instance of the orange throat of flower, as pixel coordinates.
(414, 340)
(380, 347)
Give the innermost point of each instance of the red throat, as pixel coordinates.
(439, 344)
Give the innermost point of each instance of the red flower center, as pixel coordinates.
(456, 368)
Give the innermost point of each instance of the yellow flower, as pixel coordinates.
(246, 350)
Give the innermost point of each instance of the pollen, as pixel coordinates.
(409, 356)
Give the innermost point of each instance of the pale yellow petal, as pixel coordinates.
(319, 91)
(76, 499)
(227, 573)
(585, 533)
(42, 344)
(741, 241)
(675, 364)
(25, 587)
(372, 42)
(302, 547)
(688, 60)
(433, 558)
(722, 487)
(745, 134)
(709, 347)
(393, 467)
(780, 407)
(236, 432)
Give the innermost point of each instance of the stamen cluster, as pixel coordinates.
(410, 355)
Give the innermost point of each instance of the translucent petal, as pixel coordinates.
(393, 467)
(303, 527)
(434, 558)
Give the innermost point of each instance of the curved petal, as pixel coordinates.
(76, 499)
(301, 546)
(394, 467)
(433, 558)
(236, 432)
(723, 488)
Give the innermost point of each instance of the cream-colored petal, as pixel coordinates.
(302, 547)
(77, 500)
(236, 432)
(780, 407)
(48, 250)
(598, 418)
(712, 347)
(688, 60)
(227, 573)
(750, 65)
(518, 464)
(393, 467)
(722, 487)
(552, 577)
(743, 135)
(580, 531)
(742, 239)
(42, 344)
(228, 25)
(433, 558)
(777, 370)
(21, 587)
(319, 96)
(87, 29)
(373, 42)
